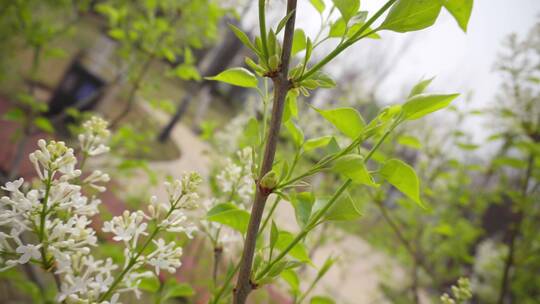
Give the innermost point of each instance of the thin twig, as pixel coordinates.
(515, 231)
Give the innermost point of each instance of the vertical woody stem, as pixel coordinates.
(281, 87)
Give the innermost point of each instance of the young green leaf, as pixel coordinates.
(411, 15)
(357, 26)
(44, 124)
(14, 114)
(347, 8)
(352, 166)
(319, 142)
(291, 277)
(318, 5)
(291, 106)
(338, 28)
(461, 10)
(403, 177)
(296, 133)
(321, 300)
(303, 204)
(229, 215)
(236, 76)
(283, 21)
(344, 209)
(298, 252)
(174, 289)
(347, 120)
(410, 141)
(299, 41)
(420, 87)
(149, 284)
(243, 38)
(423, 104)
(251, 134)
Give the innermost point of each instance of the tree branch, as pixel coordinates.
(281, 87)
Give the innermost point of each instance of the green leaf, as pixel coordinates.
(411, 15)
(347, 120)
(328, 263)
(461, 11)
(149, 284)
(357, 26)
(291, 106)
(347, 8)
(236, 76)
(420, 87)
(243, 38)
(323, 80)
(229, 215)
(276, 270)
(44, 124)
(291, 277)
(410, 141)
(187, 72)
(467, 146)
(174, 289)
(303, 204)
(318, 5)
(321, 300)
(319, 142)
(251, 133)
(423, 104)
(344, 209)
(283, 21)
(511, 162)
(14, 114)
(338, 28)
(296, 133)
(298, 252)
(299, 41)
(403, 177)
(117, 34)
(353, 167)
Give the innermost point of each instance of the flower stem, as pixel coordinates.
(132, 262)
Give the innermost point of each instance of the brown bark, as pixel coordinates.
(244, 284)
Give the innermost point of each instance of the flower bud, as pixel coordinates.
(269, 180)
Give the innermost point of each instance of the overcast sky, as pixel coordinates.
(461, 62)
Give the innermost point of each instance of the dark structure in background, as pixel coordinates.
(221, 58)
(78, 84)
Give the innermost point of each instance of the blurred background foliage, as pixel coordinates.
(482, 196)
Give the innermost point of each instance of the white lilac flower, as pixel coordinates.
(85, 279)
(81, 205)
(14, 185)
(28, 252)
(236, 179)
(74, 235)
(182, 193)
(65, 225)
(165, 257)
(128, 227)
(97, 177)
(54, 156)
(95, 135)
